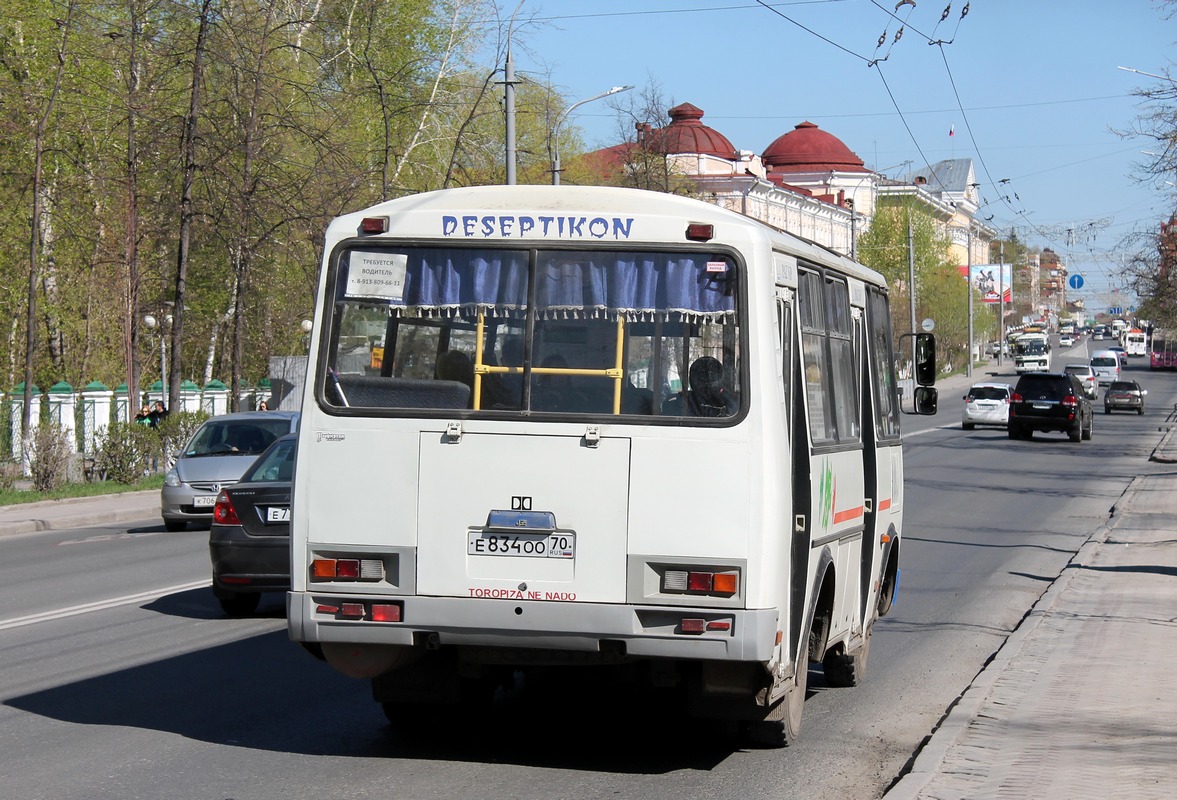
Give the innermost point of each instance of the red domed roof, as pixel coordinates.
(806, 148)
(686, 134)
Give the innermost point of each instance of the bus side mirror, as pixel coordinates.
(925, 361)
(926, 398)
(925, 357)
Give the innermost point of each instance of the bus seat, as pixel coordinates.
(378, 392)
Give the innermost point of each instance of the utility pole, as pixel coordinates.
(509, 106)
(1001, 308)
(968, 282)
(911, 291)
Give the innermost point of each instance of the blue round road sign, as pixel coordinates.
(1075, 281)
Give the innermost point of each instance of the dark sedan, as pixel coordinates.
(1124, 396)
(249, 540)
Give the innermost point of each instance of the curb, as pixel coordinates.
(127, 507)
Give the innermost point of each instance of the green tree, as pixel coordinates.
(941, 293)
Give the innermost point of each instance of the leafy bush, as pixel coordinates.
(124, 451)
(10, 473)
(174, 431)
(50, 457)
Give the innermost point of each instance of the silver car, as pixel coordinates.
(216, 456)
(986, 404)
(1086, 375)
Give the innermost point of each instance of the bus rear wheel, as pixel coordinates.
(847, 669)
(782, 723)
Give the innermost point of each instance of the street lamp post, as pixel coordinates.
(152, 323)
(560, 122)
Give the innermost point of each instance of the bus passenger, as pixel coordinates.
(456, 366)
(556, 392)
(706, 397)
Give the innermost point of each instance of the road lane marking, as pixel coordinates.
(114, 602)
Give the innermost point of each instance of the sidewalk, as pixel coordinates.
(78, 512)
(1081, 699)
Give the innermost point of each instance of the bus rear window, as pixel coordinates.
(498, 331)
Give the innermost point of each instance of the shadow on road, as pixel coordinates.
(264, 692)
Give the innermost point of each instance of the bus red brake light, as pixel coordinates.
(223, 511)
(374, 225)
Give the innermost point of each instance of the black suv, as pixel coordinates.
(1046, 402)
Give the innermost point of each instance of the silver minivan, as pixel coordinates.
(216, 456)
(1106, 365)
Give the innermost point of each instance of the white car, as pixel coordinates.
(986, 404)
(1086, 375)
(1066, 340)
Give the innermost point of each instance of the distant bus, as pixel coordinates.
(1032, 353)
(1135, 342)
(1163, 349)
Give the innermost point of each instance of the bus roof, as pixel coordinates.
(575, 214)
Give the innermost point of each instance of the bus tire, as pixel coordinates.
(781, 725)
(847, 669)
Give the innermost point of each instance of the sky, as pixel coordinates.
(1031, 90)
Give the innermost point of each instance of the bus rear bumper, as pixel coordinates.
(521, 625)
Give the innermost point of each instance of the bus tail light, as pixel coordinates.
(701, 582)
(698, 626)
(347, 569)
(374, 225)
(354, 609)
(386, 612)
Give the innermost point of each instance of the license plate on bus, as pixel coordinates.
(524, 545)
(278, 514)
(204, 501)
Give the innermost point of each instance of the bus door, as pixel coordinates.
(882, 454)
(832, 472)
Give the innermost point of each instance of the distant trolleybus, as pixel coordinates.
(1162, 349)
(552, 427)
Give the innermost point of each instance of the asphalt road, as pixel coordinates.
(121, 678)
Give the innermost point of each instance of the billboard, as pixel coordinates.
(992, 281)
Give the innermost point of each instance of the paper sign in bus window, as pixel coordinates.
(379, 275)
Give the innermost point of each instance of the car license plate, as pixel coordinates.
(278, 514)
(525, 545)
(204, 501)
(1042, 406)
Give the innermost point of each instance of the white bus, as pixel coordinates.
(1135, 342)
(594, 426)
